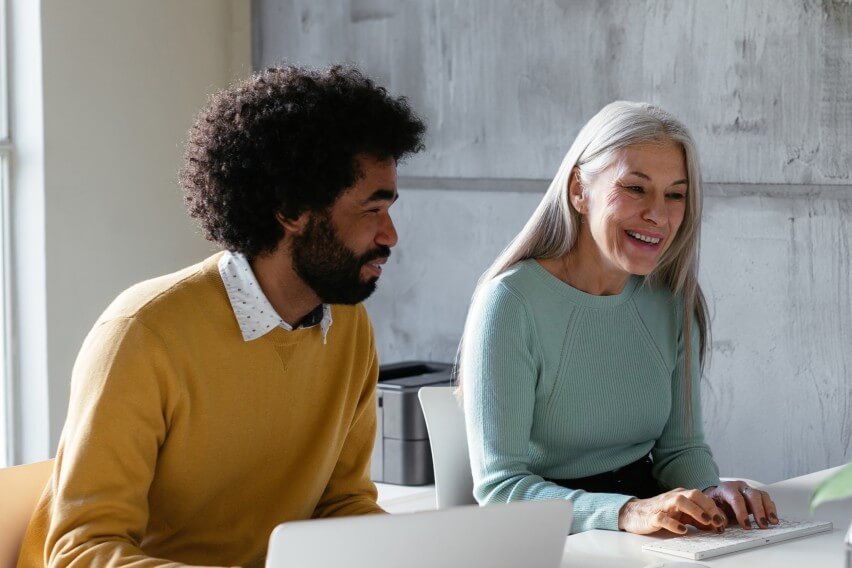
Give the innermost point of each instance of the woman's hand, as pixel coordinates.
(738, 500)
(672, 511)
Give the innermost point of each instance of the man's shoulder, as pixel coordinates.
(352, 317)
(351, 330)
(177, 292)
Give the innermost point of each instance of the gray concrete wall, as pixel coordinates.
(505, 86)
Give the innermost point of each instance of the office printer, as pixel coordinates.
(401, 454)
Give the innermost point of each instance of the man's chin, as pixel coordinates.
(354, 295)
(368, 279)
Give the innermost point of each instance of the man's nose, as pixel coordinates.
(387, 233)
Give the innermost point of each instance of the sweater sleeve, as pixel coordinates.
(121, 398)
(350, 490)
(681, 456)
(500, 367)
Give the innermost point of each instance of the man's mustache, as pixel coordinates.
(382, 251)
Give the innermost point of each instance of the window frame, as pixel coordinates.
(6, 151)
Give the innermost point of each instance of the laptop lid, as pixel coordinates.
(530, 534)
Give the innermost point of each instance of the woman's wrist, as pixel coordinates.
(625, 510)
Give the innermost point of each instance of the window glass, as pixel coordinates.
(5, 152)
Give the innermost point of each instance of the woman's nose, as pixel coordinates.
(655, 210)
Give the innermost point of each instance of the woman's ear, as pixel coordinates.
(293, 226)
(577, 193)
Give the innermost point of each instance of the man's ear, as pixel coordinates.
(293, 226)
(577, 193)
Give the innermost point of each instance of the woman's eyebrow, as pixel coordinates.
(645, 176)
(639, 174)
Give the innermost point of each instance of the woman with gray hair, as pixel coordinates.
(578, 378)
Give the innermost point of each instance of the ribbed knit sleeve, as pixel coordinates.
(681, 456)
(501, 362)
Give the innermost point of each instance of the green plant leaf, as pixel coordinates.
(835, 487)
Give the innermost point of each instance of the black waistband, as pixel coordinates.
(634, 479)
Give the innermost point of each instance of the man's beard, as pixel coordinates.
(329, 267)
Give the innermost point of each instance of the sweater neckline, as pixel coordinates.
(578, 296)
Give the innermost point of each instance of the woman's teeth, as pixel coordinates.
(643, 238)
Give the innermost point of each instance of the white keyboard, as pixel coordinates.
(703, 545)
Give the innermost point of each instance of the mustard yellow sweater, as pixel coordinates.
(185, 444)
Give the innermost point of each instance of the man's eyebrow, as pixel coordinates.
(644, 176)
(381, 195)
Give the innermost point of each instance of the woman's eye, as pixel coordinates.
(635, 189)
(677, 196)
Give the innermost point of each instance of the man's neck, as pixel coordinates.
(285, 290)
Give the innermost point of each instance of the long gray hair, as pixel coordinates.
(552, 230)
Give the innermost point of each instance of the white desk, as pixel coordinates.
(610, 548)
(404, 499)
(622, 550)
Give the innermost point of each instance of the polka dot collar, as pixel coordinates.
(255, 315)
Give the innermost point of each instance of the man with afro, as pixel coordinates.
(211, 404)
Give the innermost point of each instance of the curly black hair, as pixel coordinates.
(286, 140)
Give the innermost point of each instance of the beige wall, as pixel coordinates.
(122, 82)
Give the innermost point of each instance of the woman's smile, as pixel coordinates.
(645, 238)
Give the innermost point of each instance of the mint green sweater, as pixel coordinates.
(561, 384)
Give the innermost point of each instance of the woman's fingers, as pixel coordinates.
(738, 500)
(769, 507)
(735, 500)
(717, 515)
(673, 510)
(664, 521)
(694, 504)
(754, 502)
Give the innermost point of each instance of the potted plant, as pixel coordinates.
(836, 487)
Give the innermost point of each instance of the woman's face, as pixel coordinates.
(634, 208)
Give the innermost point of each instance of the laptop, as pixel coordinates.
(530, 534)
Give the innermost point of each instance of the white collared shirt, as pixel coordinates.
(255, 315)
